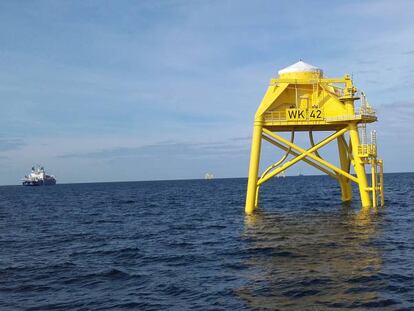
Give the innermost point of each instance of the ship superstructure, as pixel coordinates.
(38, 177)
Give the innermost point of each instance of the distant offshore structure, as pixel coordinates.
(208, 176)
(38, 177)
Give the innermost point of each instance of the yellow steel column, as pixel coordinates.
(345, 183)
(374, 182)
(254, 166)
(381, 181)
(359, 166)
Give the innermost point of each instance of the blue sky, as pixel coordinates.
(141, 90)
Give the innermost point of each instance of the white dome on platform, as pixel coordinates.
(300, 66)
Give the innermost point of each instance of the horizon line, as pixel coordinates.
(183, 179)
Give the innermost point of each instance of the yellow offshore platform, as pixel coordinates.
(301, 99)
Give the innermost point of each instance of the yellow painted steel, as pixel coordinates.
(254, 165)
(301, 99)
(374, 182)
(315, 165)
(304, 153)
(345, 183)
(359, 166)
(381, 182)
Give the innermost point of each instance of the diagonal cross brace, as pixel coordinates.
(292, 152)
(306, 153)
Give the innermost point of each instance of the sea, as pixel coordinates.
(187, 245)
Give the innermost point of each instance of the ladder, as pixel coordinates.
(368, 154)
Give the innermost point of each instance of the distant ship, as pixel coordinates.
(208, 176)
(38, 177)
(283, 175)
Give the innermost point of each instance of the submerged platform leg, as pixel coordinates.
(381, 181)
(359, 167)
(254, 167)
(374, 183)
(345, 183)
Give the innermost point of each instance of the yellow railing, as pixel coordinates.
(367, 150)
(363, 112)
(342, 118)
(274, 116)
(366, 111)
(359, 114)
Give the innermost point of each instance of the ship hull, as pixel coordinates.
(34, 183)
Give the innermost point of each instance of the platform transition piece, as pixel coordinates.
(302, 100)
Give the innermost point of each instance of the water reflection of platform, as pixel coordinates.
(313, 261)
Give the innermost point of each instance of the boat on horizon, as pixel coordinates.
(38, 177)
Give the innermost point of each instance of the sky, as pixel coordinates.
(152, 90)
